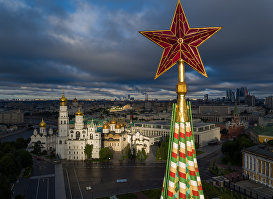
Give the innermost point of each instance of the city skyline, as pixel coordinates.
(93, 49)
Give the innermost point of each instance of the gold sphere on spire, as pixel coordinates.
(63, 100)
(42, 123)
(79, 113)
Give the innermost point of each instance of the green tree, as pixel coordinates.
(88, 150)
(106, 154)
(141, 155)
(5, 191)
(9, 166)
(20, 143)
(162, 150)
(37, 148)
(24, 158)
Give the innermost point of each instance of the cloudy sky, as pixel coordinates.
(93, 49)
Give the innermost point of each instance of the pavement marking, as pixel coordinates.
(37, 188)
(78, 182)
(47, 188)
(68, 183)
(42, 176)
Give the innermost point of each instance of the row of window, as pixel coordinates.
(70, 152)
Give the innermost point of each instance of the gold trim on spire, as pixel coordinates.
(181, 90)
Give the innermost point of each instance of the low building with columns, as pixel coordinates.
(114, 135)
(258, 164)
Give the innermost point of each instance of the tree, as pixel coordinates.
(37, 148)
(9, 166)
(162, 150)
(224, 131)
(88, 150)
(24, 158)
(106, 154)
(5, 191)
(141, 155)
(20, 143)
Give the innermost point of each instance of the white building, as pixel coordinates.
(203, 132)
(140, 141)
(258, 164)
(46, 139)
(69, 143)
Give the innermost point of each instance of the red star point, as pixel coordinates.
(180, 42)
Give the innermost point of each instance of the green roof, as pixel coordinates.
(263, 130)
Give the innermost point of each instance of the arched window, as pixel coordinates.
(91, 136)
(64, 122)
(78, 135)
(60, 142)
(61, 122)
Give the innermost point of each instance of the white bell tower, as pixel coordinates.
(63, 127)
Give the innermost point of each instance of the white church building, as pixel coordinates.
(68, 143)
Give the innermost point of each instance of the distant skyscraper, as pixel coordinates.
(269, 102)
(206, 97)
(250, 100)
(228, 94)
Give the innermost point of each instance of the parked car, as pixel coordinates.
(121, 180)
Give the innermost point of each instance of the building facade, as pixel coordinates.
(203, 132)
(258, 164)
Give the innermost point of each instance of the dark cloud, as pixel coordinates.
(94, 50)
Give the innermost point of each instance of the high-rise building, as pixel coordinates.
(250, 100)
(206, 97)
(269, 102)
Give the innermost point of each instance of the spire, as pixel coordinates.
(236, 112)
(79, 113)
(63, 100)
(42, 123)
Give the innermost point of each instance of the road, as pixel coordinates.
(41, 184)
(102, 179)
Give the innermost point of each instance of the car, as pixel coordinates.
(121, 180)
(88, 188)
(38, 158)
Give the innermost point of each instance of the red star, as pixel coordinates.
(180, 42)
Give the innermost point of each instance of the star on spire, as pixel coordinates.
(180, 42)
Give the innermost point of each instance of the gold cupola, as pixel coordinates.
(105, 126)
(74, 100)
(113, 121)
(79, 113)
(117, 126)
(63, 100)
(42, 123)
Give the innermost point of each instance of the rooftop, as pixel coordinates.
(261, 150)
(263, 130)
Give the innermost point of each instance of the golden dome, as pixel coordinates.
(75, 100)
(42, 123)
(63, 100)
(116, 136)
(117, 126)
(79, 113)
(113, 121)
(105, 126)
